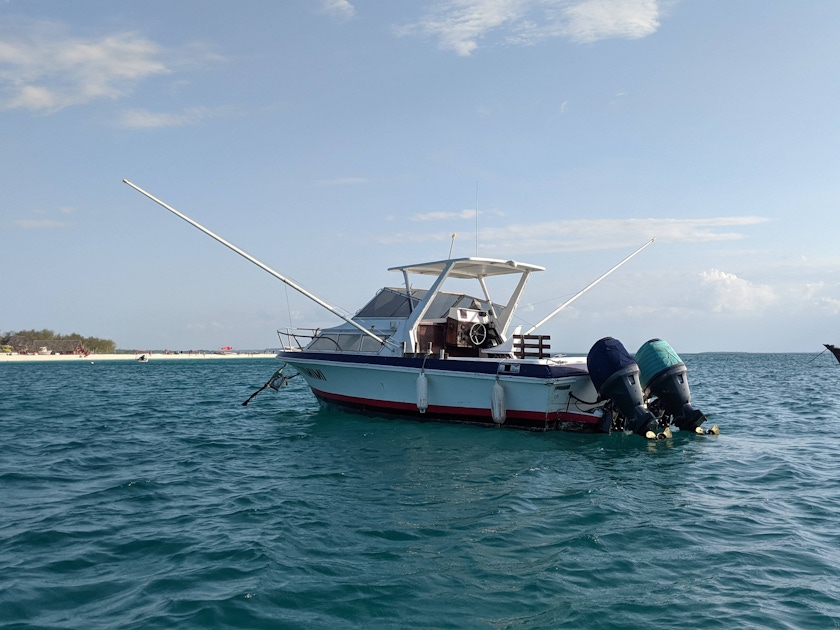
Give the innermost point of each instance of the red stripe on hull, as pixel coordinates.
(528, 419)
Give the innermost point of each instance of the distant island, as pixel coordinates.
(47, 341)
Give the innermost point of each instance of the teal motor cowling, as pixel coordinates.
(664, 375)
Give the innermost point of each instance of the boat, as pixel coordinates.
(833, 350)
(449, 355)
(142, 359)
(456, 356)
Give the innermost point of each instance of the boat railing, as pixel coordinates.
(531, 346)
(291, 338)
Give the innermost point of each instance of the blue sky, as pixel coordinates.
(333, 139)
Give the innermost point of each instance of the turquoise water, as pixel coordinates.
(145, 496)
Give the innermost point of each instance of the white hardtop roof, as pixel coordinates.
(469, 268)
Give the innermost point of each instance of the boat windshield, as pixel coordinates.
(443, 302)
(389, 303)
(344, 342)
(395, 303)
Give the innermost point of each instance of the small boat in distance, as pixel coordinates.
(142, 359)
(833, 349)
(449, 355)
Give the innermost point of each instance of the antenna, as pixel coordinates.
(476, 218)
(451, 243)
(584, 290)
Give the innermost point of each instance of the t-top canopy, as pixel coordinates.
(469, 268)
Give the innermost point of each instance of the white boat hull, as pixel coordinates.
(535, 395)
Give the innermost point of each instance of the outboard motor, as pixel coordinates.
(664, 375)
(615, 374)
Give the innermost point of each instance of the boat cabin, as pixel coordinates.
(408, 321)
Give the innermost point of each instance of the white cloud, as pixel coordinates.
(44, 69)
(459, 25)
(444, 216)
(593, 234)
(734, 295)
(809, 296)
(588, 234)
(341, 9)
(144, 119)
(593, 20)
(832, 305)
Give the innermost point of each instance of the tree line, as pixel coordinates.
(32, 340)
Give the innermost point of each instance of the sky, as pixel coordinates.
(333, 139)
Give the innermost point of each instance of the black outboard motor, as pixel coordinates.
(664, 375)
(615, 374)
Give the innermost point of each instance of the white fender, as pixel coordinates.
(497, 404)
(422, 393)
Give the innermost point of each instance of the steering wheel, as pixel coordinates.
(478, 334)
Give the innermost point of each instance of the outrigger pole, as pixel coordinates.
(262, 266)
(584, 290)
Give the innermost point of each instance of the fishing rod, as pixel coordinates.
(584, 290)
(259, 264)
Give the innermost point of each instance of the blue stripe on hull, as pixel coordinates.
(529, 370)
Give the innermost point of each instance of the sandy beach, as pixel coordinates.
(151, 356)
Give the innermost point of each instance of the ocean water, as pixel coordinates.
(146, 496)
